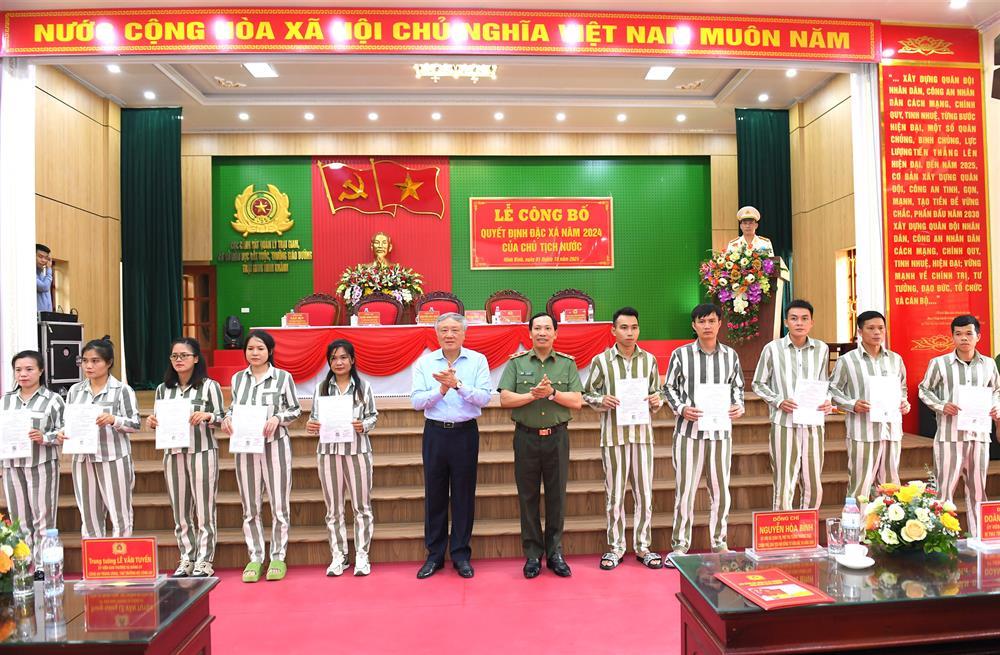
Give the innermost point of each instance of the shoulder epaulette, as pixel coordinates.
(520, 353)
(570, 357)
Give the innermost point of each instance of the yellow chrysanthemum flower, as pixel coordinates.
(907, 493)
(949, 522)
(21, 550)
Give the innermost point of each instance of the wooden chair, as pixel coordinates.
(440, 301)
(568, 299)
(509, 299)
(390, 310)
(323, 309)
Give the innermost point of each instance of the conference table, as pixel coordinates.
(173, 617)
(386, 354)
(901, 603)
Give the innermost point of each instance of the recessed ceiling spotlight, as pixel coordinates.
(243, 116)
(681, 118)
(149, 95)
(888, 52)
(436, 116)
(309, 116)
(763, 97)
(791, 72)
(260, 69)
(659, 73)
(498, 116)
(114, 68)
(372, 116)
(622, 118)
(958, 4)
(560, 117)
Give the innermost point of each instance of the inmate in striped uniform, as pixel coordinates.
(960, 453)
(689, 366)
(31, 484)
(347, 467)
(271, 470)
(795, 449)
(103, 482)
(192, 474)
(873, 449)
(625, 449)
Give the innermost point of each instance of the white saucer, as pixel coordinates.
(860, 563)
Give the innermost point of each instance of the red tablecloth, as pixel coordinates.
(388, 350)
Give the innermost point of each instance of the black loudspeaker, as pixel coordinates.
(60, 344)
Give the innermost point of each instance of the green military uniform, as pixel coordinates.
(541, 447)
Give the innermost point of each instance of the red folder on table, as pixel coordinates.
(773, 589)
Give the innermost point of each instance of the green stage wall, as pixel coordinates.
(662, 228)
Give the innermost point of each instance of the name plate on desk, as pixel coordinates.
(126, 558)
(369, 318)
(794, 534)
(988, 540)
(428, 317)
(296, 319)
(574, 316)
(476, 316)
(510, 316)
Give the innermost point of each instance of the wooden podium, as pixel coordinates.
(770, 321)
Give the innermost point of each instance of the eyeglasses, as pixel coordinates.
(180, 357)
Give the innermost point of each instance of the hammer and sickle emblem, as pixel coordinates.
(358, 189)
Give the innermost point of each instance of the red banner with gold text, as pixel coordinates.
(934, 188)
(435, 31)
(541, 233)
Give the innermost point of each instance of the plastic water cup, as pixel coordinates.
(834, 537)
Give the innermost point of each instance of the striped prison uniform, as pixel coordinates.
(103, 482)
(271, 470)
(31, 484)
(689, 366)
(796, 450)
(347, 467)
(873, 449)
(626, 450)
(960, 453)
(192, 474)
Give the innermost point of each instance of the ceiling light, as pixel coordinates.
(436, 116)
(105, 33)
(498, 116)
(763, 97)
(114, 68)
(888, 52)
(243, 116)
(149, 95)
(791, 72)
(560, 117)
(622, 118)
(309, 116)
(681, 118)
(260, 69)
(958, 4)
(372, 116)
(659, 73)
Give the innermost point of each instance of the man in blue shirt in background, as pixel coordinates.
(43, 277)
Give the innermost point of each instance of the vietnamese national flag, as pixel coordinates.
(350, 188)
(413, 189)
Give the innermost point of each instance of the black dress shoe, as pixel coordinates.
(464, 569)
(428, 569)
(532, 567)
(39, 574)
(558, 565)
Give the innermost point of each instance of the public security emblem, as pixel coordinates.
(262, 212)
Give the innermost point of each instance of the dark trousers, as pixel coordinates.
(450, 459)
(541, 460)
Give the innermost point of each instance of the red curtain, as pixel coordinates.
(385, 351)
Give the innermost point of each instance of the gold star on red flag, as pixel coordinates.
(409, 188)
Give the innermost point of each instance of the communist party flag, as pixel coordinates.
(413, 189)
(350, 188)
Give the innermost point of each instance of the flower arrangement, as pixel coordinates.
(11, 545)
(911, 517)
(738, 281)
(403, 284)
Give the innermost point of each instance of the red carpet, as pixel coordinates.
(629, 610)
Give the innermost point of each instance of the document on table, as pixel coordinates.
(15, 424)
(173, 423)
(884, 396)
(714, 401)
(336, 413)
(974, 405)
(81, 429)
(633, 408)
(248, 429)
(809, 395)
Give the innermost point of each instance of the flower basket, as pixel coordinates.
(403, 284)
(738, 281)
(911, 518)
(11, 545)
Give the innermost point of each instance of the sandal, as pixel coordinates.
(669, 563)
(610, 561)
(650, 560)
(276, 571)
(252, 572)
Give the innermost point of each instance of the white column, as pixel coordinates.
(868, 219)
(18, 301)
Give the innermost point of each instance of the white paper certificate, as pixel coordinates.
(81, 429)
(633, 408)
(974, 405)
(248, 429)
(809, 395)
(335, 416)
(173, 423)
(884, 396)
(714, 401)
(15, 425)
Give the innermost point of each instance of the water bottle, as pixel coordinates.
(850, 521)
(52, 563)
(590, 313)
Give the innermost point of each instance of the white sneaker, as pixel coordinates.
(336, 568)
(203, 570)
(361, 564)
(184, 569)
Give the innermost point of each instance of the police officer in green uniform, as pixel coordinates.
(541, 386)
